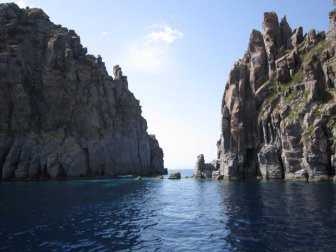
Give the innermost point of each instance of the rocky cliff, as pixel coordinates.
(279, 106)
(62, 115)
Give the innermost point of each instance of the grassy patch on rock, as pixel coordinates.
(331, 124)
(311, 129)
(291, 96)
(298, 77)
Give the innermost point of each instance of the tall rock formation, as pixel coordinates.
(279, 106)
(202, 169)
(62, 115)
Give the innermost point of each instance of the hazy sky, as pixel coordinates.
(177, 55)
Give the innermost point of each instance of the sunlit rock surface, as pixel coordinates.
(62, 115)
(279, 109)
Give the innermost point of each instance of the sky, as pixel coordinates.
(177, 55)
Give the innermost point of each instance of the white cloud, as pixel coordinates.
(151, 54)
(22, 3)
(167, 34)
(104, 33)
(147, 57)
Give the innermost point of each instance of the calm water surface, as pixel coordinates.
(166, 215)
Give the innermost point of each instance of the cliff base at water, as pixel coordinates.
(62, 115)
(279, 107)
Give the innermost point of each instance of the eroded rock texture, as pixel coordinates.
(62, 115)
(202, 169)
(279, 108)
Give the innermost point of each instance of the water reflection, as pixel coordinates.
(190, 218)
(277, 215)
(165, 215)
(245, 205)
(105, 215)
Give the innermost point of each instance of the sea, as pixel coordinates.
(167, 215)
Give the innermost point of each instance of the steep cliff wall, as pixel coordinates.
(279, 108)
(62, 115)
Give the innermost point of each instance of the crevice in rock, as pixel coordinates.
(44, 172)
(10, 117)
(87, 161)
(281, 165)
(6, 150)
(62, 172)
(102, 171)
(330, 170)
(250, 167)
(38, 174)
(138, 151)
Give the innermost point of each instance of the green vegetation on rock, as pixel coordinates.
(298, 77)
(311, 129)
(331, 124)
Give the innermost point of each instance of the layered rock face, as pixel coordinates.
(62, 115)
(279, 108)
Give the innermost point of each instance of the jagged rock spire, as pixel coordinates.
(268, 124)
(117, 72)
(62, 115)
(332, 21)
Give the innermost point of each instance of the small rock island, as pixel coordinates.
(279, 107)
(62, 115)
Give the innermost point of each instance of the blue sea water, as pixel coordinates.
(167, 215)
